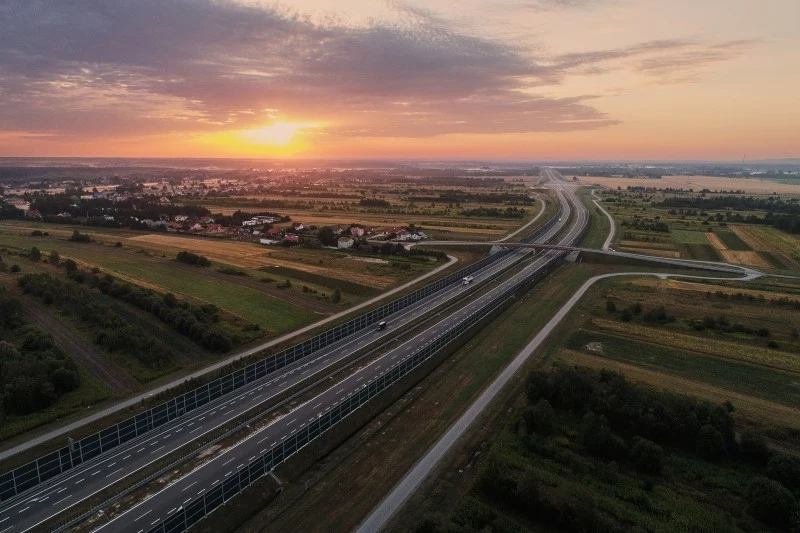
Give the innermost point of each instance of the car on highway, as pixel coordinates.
(467, 280)
(381, 326)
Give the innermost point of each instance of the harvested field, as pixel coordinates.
(753, 259)
(708, 287)
(785, 247)
(749, 408)
(715, 241)
(247, 255)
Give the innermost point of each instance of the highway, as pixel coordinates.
(64, 491)
(398, 496)
(172, 498)
(134, 400)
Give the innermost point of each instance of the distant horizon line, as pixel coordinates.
(403, 159)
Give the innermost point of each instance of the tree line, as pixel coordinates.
(112, 331)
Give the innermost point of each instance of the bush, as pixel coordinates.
(611, 307)
(192, 259)
(627, 315)
(35, 255)
(77, 236)
(118, 245)
(710, 443)
(647, 456)
(337, 296)
(770, 501)
(784, 469)
(54, 258)
(36, 233)
(15, 268)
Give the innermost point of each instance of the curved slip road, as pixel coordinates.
(613, 230)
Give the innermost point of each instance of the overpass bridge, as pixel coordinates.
(746, 272)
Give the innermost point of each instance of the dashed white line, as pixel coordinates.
(187, 487)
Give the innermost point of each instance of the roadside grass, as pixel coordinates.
(775, 385)
(599, 225)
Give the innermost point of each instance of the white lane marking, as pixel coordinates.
(62, 490)
(140, 449)
(126, 457)
(187, 501)
(154, 451)
(95, 473)
(81, 479)
(59, 501)
(171, 511)
(23, 510)
(114, 472)
(228, 461)
(112, 464)
(187, 487)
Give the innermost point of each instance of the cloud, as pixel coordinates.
(88, 69)
(669, 61)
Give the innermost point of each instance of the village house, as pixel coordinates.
(291, 239)
(345, 242)
(33, 213)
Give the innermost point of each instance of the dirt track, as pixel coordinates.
(79, 349)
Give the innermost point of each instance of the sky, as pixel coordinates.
(433, 79)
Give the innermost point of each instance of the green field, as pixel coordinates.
(700, 252)
(689, 237)
(780, 387)
(161, 273)
(732, 241)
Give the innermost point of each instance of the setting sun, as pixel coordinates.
(278, 133)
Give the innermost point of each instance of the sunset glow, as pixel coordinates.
(570, 79)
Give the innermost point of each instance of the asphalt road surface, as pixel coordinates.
(163, 503)
(86, 480)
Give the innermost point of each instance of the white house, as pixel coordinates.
(345, 242)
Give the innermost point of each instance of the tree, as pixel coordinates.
(770, 501)
(327, 237)
(15, 268)
(35, 255)
(70, 266)
(337, 296)
(754, 447)
(611, 307)
(627, 315)
(54, 258)
(647, 456)
(710, 444)
(540, 418)
(170, 300)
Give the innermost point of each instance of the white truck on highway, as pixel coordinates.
(467, 280)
